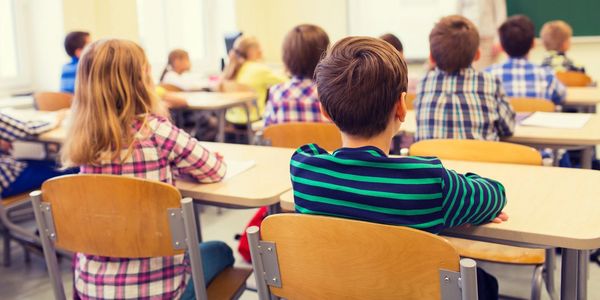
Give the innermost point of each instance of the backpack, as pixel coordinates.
(244, 247)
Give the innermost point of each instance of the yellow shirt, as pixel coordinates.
(259, 77)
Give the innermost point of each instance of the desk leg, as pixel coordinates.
(197, 210)
(274, 208)
(573, 276)
(221, 128)
(249, 124)
(582, 276)
(586, 157)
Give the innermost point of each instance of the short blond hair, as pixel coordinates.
(554, 34)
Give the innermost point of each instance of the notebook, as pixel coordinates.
(556, 120)
(235, 167)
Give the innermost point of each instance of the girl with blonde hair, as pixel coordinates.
(245, 69)
(119, 128)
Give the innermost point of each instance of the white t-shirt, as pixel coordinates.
(185, 81)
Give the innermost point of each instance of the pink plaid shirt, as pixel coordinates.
(293, 101)
(161, 152)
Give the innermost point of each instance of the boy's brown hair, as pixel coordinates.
(554, 34)
(453, 43)
(393, 40)
(516, 35)
(359, 83)
(303, 47)
(75, 40)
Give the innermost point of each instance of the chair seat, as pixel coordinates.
(228, 284)
(14, 199)
(498, 253)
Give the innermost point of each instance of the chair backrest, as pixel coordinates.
(570, 78)
(231, 86)
(111, 209)
(410, 99)
(170, 87)
(296, 134)
(476, 150)
(532, 105)
(52, 101)
(322, 257)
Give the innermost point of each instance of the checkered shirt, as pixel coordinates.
(522, 78)
(559, 62)
(293, 101)
(161, 152)
(462, 105)
(12, 129)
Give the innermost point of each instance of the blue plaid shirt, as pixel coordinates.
(522, 78)
(293, 101)
(462, 105)
(67, 78)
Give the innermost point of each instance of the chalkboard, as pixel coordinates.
(582, 15)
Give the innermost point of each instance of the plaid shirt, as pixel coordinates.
(161, 152)
(522, 78)
(293, 101)
(559, 62)
(12, 129)
(463, 105)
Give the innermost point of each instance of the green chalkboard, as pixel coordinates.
(582, 15)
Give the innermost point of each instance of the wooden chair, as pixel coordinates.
(296, 134)
(52, 101)
(496, 152)
(8, 227)
(298, 256)
(532, 105)
(571, 79)
(410, 99)
(118, 216)
(170, 87)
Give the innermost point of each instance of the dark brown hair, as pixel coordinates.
(303, 47)
(359, 83)
(453, 43)
(75, 40)
(394, 40)
(516, 35)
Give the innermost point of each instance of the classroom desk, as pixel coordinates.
(220, 102)
(586, 138)
(547, 207)
(16, 102)
(586, 98)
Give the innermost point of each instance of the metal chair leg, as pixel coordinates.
(549, 267)
(536, 283)
(6, 243)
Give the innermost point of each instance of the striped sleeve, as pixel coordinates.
(470, 199)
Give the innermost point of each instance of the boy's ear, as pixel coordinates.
(78, 52)
(401, 107)
(477, 55)
(431, 60)
(324, 113)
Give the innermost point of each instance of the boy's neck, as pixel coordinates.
(381, 141)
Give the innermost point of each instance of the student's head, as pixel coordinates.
(361, 84)
(245, 48)
(179, 62)
(517, 35)
(303, 48)
(75, 42)
(556, 36)
(113, 88)
(394, 41)
(454, 43)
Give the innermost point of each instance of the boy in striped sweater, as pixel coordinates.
(362, 87)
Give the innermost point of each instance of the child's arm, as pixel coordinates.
(188, 157)
(471, 199)
(269, 115)
(505, 125)
(12, 129)
(556, 89)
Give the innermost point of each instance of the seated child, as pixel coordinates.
(362, 89)
(520, 77)
(119, 128)
(74, 44)
(394, 41)
(556, 36)
(297, 100)
(455, 101)
(246, 69)
(177, 73)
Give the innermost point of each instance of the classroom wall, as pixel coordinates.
(103, 18)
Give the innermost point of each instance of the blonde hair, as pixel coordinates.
(113, 89)
(554, 34)
(238, 55)
(173, 55)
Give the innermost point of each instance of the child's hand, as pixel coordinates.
(501, 217)
(5, 146)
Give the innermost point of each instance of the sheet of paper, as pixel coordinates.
(557, 120)
(235, 167)
(26, 115)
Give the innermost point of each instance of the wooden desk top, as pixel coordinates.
(583, 96)
(259, 186)
(216, 101)
(548, 206)
(589, 135)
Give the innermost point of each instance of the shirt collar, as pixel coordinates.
(369, 149)
(74, 59)
(518, 60)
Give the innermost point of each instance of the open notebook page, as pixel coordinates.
(556, 120)
(235, 167)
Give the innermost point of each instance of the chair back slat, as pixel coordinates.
(532, 105)
(296, 134)
(572, 79)
(332, 258)
(52, 101)
(100, 215)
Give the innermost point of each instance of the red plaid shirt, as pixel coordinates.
(161, 152)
